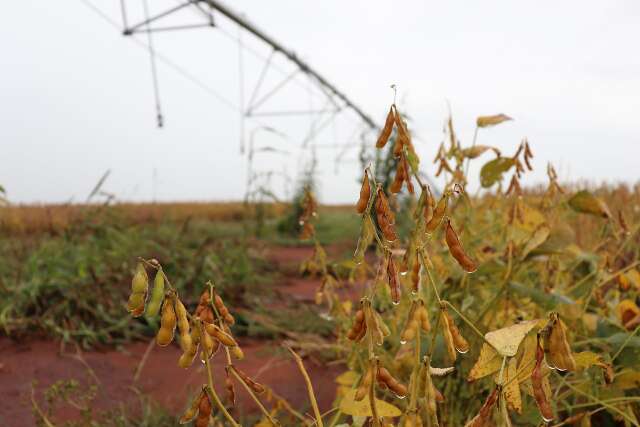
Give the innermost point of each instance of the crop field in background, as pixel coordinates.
(517, 306)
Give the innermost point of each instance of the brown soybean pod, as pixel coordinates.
(396, 185)
(457, 251)
(363, 388)
(483, 419)
(186, 359)
(204, 411)
(411, 327)
(183, 325)
(358, 327)
(415, 274)
(192, 411)
(394, 281)
(387, 381)
(365, 194)
(223, 310)
(217, 333)
(429, 205)
(386, 130)
(256, 387)
(385, 217)
(539, 394)
(167, 323)
(424, 319)
(438, 214)
(559, 353)
(448, 337)
(231, 391)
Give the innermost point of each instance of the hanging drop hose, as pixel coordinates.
(154, 70)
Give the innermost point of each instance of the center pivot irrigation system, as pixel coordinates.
(335, 101)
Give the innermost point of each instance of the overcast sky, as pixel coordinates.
(76, 96)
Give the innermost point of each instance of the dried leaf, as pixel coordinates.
(488, 362)
(538, 237)
(477, 151)
(486, 121)
(512, 389)
(507, 340)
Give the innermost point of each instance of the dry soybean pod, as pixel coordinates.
(483, 419)
(204, 411)
(220, 335)
(438, 213)
(183, 325)
(542, 400)
(186, 359)
(228, 384)
(167, 322)
(456, 343)
(456, 249)
(359, 328)
(255, 386)
(192, 411)
(365, 384)
(223, 310)
(558, 351)
(386, 130)
(411, 327)
(385, 217)
(393, 280)
(386, 380)
(365, 194)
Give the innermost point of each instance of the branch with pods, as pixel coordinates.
(430, 294)
(406, 276)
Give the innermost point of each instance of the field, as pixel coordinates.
(518, 306)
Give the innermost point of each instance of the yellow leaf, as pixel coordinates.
(512, 389)
(349, 406)
(586, 359)
(537, 238)
(507, 340)
(488, 362)
(347, 378)
(585, 202)
(477, 151)
(634, 277)
(627, 380)
(528, 358)
(496, 119)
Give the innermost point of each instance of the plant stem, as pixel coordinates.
(216, 399)
(307, 380)
(372, 395)
(603, 403)
(624, 344)
(254, 397)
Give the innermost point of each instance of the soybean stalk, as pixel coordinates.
(307, 380)
(212, 390)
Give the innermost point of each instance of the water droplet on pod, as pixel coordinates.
(403, 342)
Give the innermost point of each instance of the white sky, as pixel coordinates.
(76, 97)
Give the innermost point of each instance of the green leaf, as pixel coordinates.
(414, 161)
(492, 171)
(585, 202)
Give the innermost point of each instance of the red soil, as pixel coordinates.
(21, 363)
